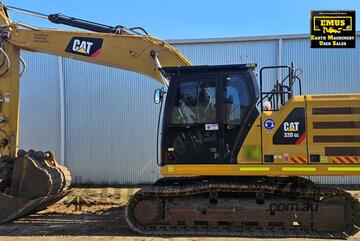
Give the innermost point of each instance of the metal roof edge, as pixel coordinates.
(241, 39)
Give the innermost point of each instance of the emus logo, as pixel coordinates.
(90, 47)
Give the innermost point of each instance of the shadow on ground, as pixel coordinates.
(110, 222)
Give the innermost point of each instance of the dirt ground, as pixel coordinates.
(90, 214)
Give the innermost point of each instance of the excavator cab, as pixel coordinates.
(206, 113)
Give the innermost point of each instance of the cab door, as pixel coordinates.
(193, 130)
(238, 96)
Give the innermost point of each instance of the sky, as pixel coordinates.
(189, 19)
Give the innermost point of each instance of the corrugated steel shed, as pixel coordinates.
(110, 119)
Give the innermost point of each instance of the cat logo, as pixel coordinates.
(90, 47)
(291, 126)
(82, 46)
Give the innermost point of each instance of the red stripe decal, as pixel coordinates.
(349, 159)
(340, 159)
(302, 159)
(300, 140)
(297, 160)
(96, 53)
(344, 160)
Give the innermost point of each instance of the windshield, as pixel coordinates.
(195, 102)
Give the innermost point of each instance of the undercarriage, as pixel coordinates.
(243, 206)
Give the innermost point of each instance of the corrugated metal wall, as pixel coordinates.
(263, 53)
(110, 124)
(39, 104)
(111, 120)
(325, 71)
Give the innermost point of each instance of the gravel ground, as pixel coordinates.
(89, 214)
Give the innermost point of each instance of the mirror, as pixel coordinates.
(298, 72)
(158, 96)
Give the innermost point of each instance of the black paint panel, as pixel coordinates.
(291, 129)
(84, 46)
(342, 151)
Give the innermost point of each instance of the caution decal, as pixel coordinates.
(345, 159)
(298, 160)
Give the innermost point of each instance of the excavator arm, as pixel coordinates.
(30, 181)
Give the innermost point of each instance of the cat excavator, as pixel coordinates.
(233, 154)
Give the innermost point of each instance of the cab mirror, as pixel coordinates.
(158, 96)
(298, 72)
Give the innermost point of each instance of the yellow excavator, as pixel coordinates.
(233, 154)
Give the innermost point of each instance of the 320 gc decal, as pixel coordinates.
(90, 47)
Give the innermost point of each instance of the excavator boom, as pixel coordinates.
(30, 181)
(112, 46)
(130, 52)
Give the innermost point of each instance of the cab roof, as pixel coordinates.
(201, 69)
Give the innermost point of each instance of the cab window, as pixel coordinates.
(236, 99)
(195, 102)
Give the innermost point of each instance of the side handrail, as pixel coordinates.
(280, 88)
